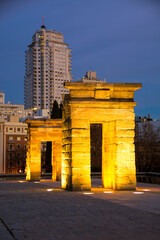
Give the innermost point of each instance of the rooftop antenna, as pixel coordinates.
(43, 26)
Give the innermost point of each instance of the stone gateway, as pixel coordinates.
(38, 131)
(111, 105)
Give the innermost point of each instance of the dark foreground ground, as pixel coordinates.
(29, 211)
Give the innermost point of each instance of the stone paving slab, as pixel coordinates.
(31, 212)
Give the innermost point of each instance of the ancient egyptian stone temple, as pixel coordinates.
(108, 105)
(112, 106)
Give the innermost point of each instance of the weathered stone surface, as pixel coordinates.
(125, 147)
(80, 123)
(81, 93)
(124, 124)
(102, 94)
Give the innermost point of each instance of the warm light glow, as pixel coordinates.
(36, 182)
(138, 192)
(21, 181)
(108, 192)
(88, 193)
(49, 190)
(146, 190)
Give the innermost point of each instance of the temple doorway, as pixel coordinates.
(96, 152)
(46, 157)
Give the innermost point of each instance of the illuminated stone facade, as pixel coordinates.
(111, 105)
(40, 131)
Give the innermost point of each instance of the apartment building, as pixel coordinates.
(13, 141)
(48, 66)
(7, 109)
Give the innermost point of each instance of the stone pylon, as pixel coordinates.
(109, 104)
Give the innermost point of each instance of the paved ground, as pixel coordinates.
(29, 211)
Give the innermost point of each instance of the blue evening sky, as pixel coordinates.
(119, 39)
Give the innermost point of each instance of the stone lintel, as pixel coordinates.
(102, 90)
(101, 104)
(80, 85)
(44, 123)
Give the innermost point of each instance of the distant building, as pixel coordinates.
(48, 66)
(91, 77)
(139, 119)
(2, 98)
(141, 122)
(7, 109)
(13, 140)
(42, 113)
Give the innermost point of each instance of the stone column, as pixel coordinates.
(81, 160)
(33, 158)
(125, 156)
(56, 163)
(108, 155)
(76, 151)
(66, 175)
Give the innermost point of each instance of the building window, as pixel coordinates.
(18, 155)
(25, 139)
(11, 156)
(18, 138)
(18, 129)
(10, 129)
(10, 147)
(11, 138)
(18, 163)
(19, 146)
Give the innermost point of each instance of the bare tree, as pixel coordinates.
(147, 148)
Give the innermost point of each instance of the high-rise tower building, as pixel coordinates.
(48, 66)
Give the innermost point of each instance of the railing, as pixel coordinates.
(144, 177)
(148, 177)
